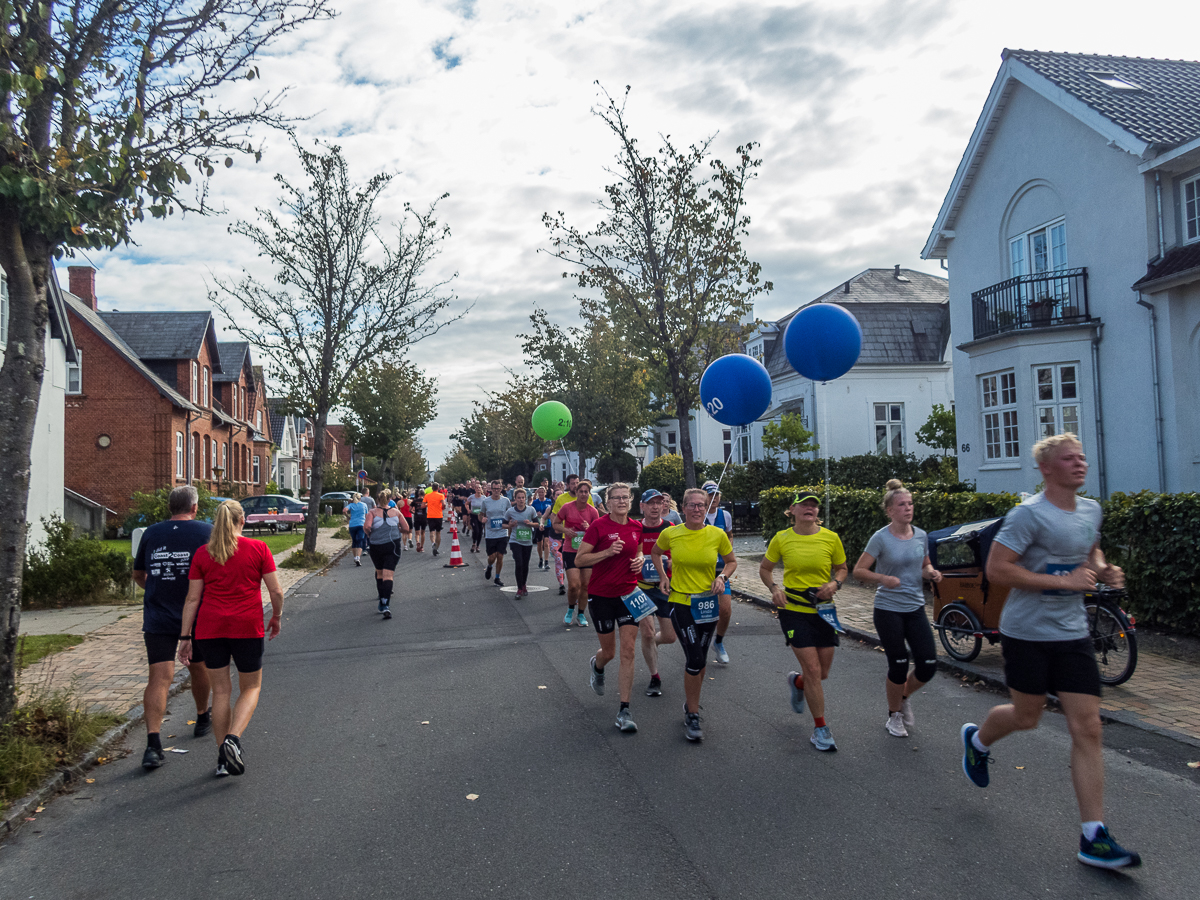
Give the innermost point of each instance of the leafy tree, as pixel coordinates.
(664, 473)
(338, 477)
(606, 388)
(499, 433)
(340, 290)
(408, 463)
(387, 403)
(107, 111)
(458, 467)
(939, 430)
(789, 436)
(668, 261)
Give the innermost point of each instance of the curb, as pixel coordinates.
(997, 682)
(65, 776)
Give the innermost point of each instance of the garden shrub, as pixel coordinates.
(664, 473)
(150, 508)
(73, 571)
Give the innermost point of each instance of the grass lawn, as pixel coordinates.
(32, 647)
(276, 542)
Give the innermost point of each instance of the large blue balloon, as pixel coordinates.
(823, 341)
(735, 389)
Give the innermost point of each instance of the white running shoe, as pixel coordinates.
(906, 712)
(895, 725)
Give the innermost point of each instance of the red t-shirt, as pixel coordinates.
(649, 539)
(231, 606)
(612, 577)
(578, 521)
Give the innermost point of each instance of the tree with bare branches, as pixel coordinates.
(342, 295)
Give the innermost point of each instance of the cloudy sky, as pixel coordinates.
(862, 109)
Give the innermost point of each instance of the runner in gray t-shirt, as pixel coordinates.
(1047, 554)
(521, 520)
(900, 556)
(495, 535)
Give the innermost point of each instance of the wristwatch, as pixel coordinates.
(185, 637)
(838, 583)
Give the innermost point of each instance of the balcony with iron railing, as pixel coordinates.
(1031, 301)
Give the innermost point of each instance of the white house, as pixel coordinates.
(878, 405)
(285, 461)
(46, 489)
(1072, 232)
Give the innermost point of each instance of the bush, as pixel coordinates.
(302, 560)
(871, 471)
(1153, 538)
(73, 571)
(151, 508)
(664, 474)
(855, 513)
(285, 492)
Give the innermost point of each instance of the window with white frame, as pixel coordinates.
(75, 374)
(258, 419)
(672, 441)
(1191, 209)
(1000, 438)
(225, 459)
(243, 415)
(727, 444)
(888, 419)
(204, 389)
(3, 312)
(195, 397)
(744, 447)
(1044, 249)
(179, 454)
(1056, 408)
(257, 469)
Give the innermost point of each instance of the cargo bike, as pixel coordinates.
(967, 607)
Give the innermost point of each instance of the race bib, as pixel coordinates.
(828, 612)
(523, 534)
(704, 608)
(576, 541)
(649, 572)
(496, 523)
(639, 605)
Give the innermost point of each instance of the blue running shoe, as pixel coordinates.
(797, 693)
(720, 652)
(581, 621)
(382, 604)
(975, 764)
(1105, 853)
(822, 739)
(569, 618)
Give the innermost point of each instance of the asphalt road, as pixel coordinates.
(371, 735)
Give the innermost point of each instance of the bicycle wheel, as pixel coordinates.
(1114, 643)
(958, 633)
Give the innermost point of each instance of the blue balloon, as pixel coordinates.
(735, 389)
(823, 341)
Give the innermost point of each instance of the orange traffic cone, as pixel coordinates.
(456, 557)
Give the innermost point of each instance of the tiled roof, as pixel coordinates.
(276, 418)
(1164, 108)
(163, 335)
(903, 321)
(1175, 262)
(233, 357)
(98, 324)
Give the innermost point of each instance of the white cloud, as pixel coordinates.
(862, 110)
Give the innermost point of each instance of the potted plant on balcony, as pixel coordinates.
(1040, 311)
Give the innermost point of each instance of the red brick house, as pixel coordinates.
(157, 403)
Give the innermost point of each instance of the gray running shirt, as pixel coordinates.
(527, 516)
(904, 559)
(1048, 540)
(495, 509)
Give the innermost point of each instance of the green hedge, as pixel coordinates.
(72, 571)
(1153, 538)
(855, 514)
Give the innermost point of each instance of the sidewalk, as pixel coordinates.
(108, 670)
(1162, 696)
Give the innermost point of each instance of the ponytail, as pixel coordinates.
(222, 543)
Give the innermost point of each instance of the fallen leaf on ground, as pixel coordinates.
(177, 750)
(90, 780)
(541, 687)
(1018, 767)
(426, 722)
(30, 819)
(1195, 765)
(40, 809)
(472, 796)
(190, 722)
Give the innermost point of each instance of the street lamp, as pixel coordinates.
(640, 448)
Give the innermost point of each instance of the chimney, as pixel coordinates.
(896, 274)
(83, 284)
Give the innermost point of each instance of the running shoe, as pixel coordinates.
(561, 590)
(906, 713)
(797, 693)
(975, 764)
(655, 687)
(221, 771)
(581, 621)
(152, 758)
(382, 604)
(1105, 853)
(597, 678)
(719, 650)
(203, 723)
(358, 562)
(569, 618)
(435, 549)
(822, 739)
(487, 576)
(691, 725)
(387, 612)
(895, 725)
(233, 755)
(497, 582)
(410, 545)
(625, 721)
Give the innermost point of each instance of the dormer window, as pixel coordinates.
(1114, 81)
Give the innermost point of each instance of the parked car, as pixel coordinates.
(218, 501)
(337, 500)
(260, 505)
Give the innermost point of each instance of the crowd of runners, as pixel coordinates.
(661, 576)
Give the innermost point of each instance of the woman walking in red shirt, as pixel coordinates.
(227, 573)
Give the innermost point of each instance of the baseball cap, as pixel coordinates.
(650, 494)
(710, 487)
(801, 496)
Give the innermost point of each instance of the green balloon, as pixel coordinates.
(551, 420)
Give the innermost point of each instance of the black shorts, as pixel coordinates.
(435, 524)
(1050, 667)
(608, 614)
(247, 653)
(496, 545)
(385, 556)
(418, 523)
(661, 601)
(569, 561)
(160, 648)
(806, 630)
